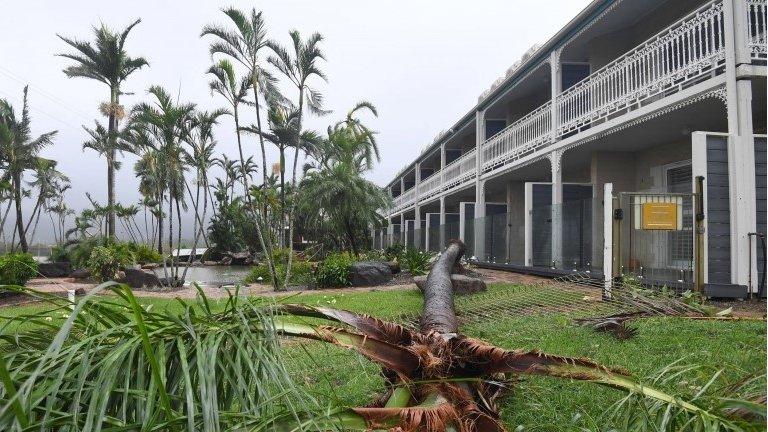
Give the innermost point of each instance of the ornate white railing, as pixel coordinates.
(756, 28)
(680, 55)
(404, 199)
(522, 137)
(460, 170)
(430, 186)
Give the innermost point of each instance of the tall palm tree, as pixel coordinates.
(107, 144)
(106, 61)
(48, 182)
(244, 45)
(19, 153)
(165, 125)
(299, 68)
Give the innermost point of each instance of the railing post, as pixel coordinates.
(556, 88)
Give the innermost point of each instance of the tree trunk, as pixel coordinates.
(114, 100)
(19, 218)
(439, 314)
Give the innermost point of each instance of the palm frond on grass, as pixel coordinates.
(111, 363)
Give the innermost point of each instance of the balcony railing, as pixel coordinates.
(404, 199)
(460, 170)
(684, 53)
(430, 186)
(522, 137)
(756, 29)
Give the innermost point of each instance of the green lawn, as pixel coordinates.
(535, 403)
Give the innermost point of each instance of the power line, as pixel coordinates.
(37, 110)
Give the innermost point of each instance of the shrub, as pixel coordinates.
(143, 254)
(59, 253)
(334, 270)
(393, 251)
(80, 252)
(301, 273)
(17, 268)
(105, 261)
(415, 261)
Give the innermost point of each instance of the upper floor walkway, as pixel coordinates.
(689, 52)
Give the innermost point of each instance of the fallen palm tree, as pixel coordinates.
(117, 365)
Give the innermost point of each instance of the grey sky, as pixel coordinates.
(423, 64)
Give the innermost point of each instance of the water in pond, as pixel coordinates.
(213, 275)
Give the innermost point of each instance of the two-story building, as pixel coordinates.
(631, 141)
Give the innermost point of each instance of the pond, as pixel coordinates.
(213, 275)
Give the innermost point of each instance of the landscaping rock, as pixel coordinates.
(80, 274)
(370, 273)
(54, 269)
(394, 266)
(462, 285)
(139, 279)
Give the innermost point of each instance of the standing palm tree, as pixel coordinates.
(107, 144)
(48, 182)
(19, 153)
(299, 69)
(106, 61)
(244, 46)
(165, 125)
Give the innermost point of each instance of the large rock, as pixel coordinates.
(54, 269)
(139, 279)
(462, 285)
(82, 273)
(370, 273)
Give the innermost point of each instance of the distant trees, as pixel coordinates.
(19, 153)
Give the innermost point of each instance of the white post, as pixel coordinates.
(403, 235)
(417, 232)
(557, 203)
(479, 222)
(528, 224)
(741, 146)
(555, 88)
(442, 224)
(71, 298)
(607, 240)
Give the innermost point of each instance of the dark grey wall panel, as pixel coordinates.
(760, 191)
(718, 212)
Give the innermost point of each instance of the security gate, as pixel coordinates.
(655, 238)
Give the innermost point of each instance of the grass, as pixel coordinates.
(535, 404)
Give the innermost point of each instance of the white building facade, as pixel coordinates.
(637, 109)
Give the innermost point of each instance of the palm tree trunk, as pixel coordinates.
(254, 83)
(19, 218)
(114, 100)
(295, 190)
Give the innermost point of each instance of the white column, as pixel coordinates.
(479, 226)
(479, 222)
(741, 146)
(443, 240)
(402, 229)
(607, 239)
(555, 88)
(557, 201)
(418, 234)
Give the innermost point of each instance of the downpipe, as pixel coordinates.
(761, 287)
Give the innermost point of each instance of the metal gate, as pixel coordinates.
(656, 236)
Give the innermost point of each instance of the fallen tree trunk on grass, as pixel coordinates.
(222, 370)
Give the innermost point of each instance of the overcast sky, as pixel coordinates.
(422, 63)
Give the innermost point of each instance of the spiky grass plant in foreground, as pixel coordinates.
(115, 365)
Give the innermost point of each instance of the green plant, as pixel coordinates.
(105, 261)
(393, 251)
(333, 271)
(415, 261)
(143, 254)
(59, 253)
(301, 273)
(17, 268)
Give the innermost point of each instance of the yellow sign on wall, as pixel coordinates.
(660, 216)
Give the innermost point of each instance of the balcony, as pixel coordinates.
(688, 52)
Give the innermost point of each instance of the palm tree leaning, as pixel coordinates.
(19, 153)
(106, 61)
